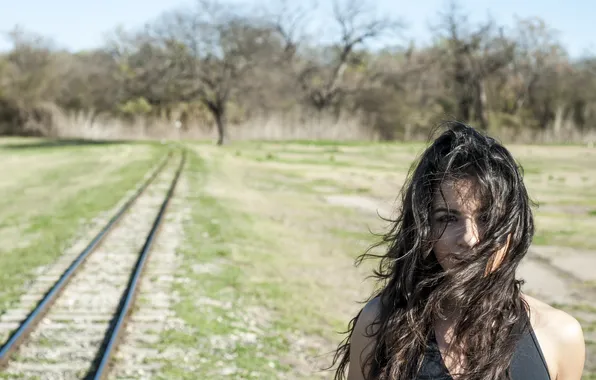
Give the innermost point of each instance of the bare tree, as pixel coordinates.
(536, 50)
(470, 58)
(217, 63)
(212, 49)
(289, 20)
(539, 72)
(583, 94)
(31, 66)
(321, 76)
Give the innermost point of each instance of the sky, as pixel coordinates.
(79, 25)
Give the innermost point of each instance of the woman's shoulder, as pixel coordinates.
(560, 324)
(370, 312)
(373, 306)
(560, 336)
(362, 337)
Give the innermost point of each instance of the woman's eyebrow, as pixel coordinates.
(444, 209)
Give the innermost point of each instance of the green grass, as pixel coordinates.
(318, 143)
(222, 225)
(554, 175)
(270, 263)
(372, 160)
(47, 207)
(266, 268)
(288, 181)
(270, 255)
(565, 230)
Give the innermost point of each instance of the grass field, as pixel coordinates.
(268, 238)
(267, 280)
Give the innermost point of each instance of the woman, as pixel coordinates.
(449, 305)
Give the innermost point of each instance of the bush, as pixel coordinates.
(19, 120)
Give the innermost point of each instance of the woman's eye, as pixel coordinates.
(447, 218)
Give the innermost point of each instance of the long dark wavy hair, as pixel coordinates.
(414, 287)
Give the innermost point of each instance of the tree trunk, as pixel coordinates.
(220, 122)
(218, 110)
(558, 122)
(465, 100)
(480, 105)
(463, 108)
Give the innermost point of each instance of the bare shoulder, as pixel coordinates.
(362, 341)
(561, 338)
(371, 311)
(365, 328)
(562, 326)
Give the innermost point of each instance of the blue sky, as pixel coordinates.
(76, 24)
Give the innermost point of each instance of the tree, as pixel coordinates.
(30, 81)
(582, 96)
(211, 50)
(90, 81)
(31, 67)
(215, 63)
(471, 57)
(539, 72)
(321, 73)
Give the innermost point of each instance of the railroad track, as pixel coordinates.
(74, 329)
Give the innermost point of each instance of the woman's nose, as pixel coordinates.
(469, 234)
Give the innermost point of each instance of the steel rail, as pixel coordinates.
(41, 309)
(104, 357)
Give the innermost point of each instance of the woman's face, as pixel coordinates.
(455, 220)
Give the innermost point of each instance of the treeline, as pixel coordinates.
(212, 65)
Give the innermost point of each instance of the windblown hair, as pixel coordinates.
(413, 286)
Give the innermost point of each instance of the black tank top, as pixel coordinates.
(527, 363)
